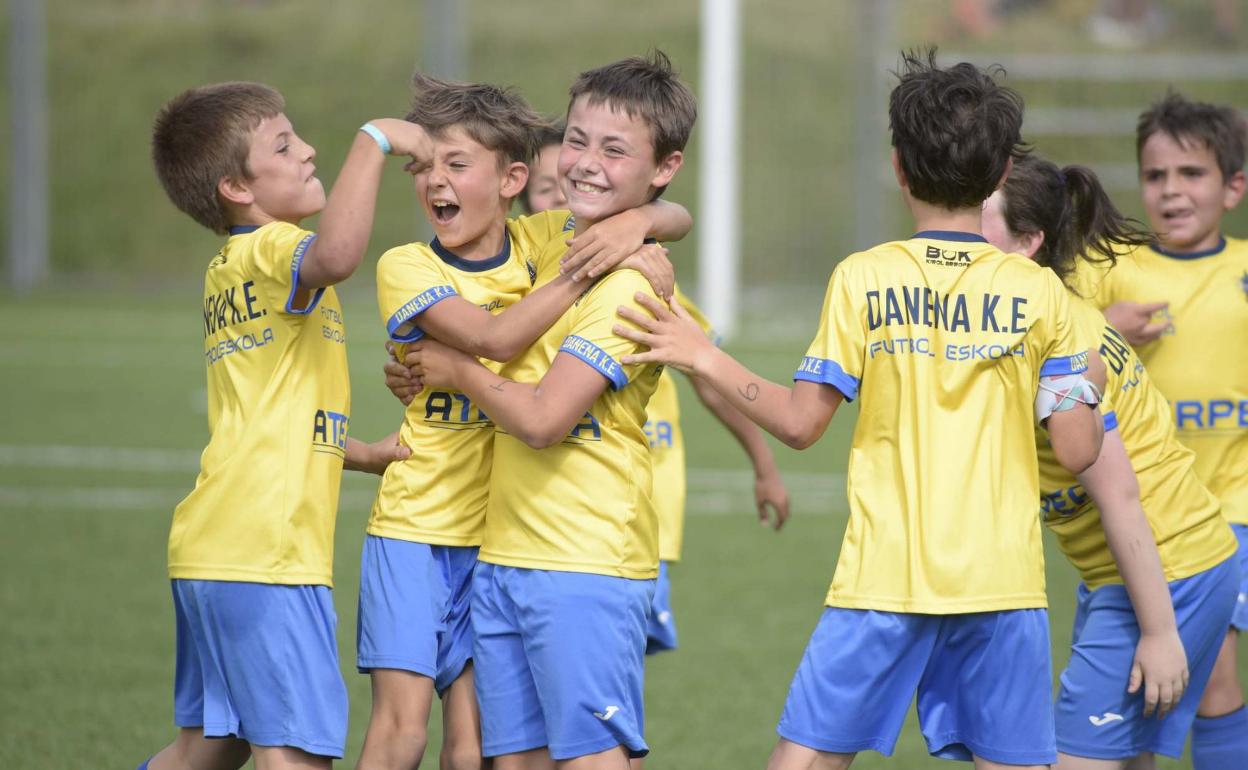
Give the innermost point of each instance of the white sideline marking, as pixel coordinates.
(711, 491)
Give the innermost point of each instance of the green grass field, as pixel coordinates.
(104, 420)
(104, 387)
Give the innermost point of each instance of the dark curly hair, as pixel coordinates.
(955, 130)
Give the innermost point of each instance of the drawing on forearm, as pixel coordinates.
(749, 392)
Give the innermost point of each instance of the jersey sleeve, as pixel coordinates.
(1065, 347)
(278, 255)
(591, 339)
(836, 356)
(698, 316)
(408, 284)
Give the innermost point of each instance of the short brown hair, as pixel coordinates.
(648, 89)
(1218, 127)
(202, 136)
(955, 130)
(498, 119)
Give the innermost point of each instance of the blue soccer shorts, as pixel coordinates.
(661, 627)
(1096, 717)
(983, 681)
(1240, 619)
(259, 662)
(414, 608)
(559, 660)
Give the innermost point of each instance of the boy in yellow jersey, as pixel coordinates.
(251, 548)
(1191, 158)
(1126, 636)
(955, 350)
(472, 287)
(570, 552)
(667, 446)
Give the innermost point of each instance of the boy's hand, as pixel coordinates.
(605, 245)
(406, 139)
(1161, 668)
(652, 262)
(1135, 320)
(375, 457)
(672, 335)
(399, 379)
(437, 365)
(770, 493)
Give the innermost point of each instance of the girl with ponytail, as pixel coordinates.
(1159, 581)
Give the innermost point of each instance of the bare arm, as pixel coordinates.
(502, 336)
(374, 457)
(604, 245)
(1160, 662)
(1076, 434)
(769, 491)
(347, 220)
(540, 415)
(797, 416)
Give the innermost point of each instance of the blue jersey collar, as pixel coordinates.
(950, 235)
(474, 265)
(1192, 254)
(243, 229)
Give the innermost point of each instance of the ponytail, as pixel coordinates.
(1072, 210)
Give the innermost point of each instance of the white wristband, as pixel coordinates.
(377, 136)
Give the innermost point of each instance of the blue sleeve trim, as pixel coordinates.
(400, 326)
(596, 357)
(1055, 367)
(827, 372)
(296, 261)
(1111, 421)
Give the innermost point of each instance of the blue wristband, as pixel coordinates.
(377, 136)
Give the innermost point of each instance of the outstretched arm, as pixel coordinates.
(798, 416)
(503, 336)
(770, 496)
(1160, 662)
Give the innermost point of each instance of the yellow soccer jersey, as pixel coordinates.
(667, 451)
(1189, 529)
(943, 338)
(438, 495)
(1200, 366)
(264, 504)
(583, 505)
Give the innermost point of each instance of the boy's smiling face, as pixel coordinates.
(607, 163)
(283, 184)
(1184, 192)
(465, 194)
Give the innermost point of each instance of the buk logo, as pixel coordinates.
(947, 257)
(1105, 719)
